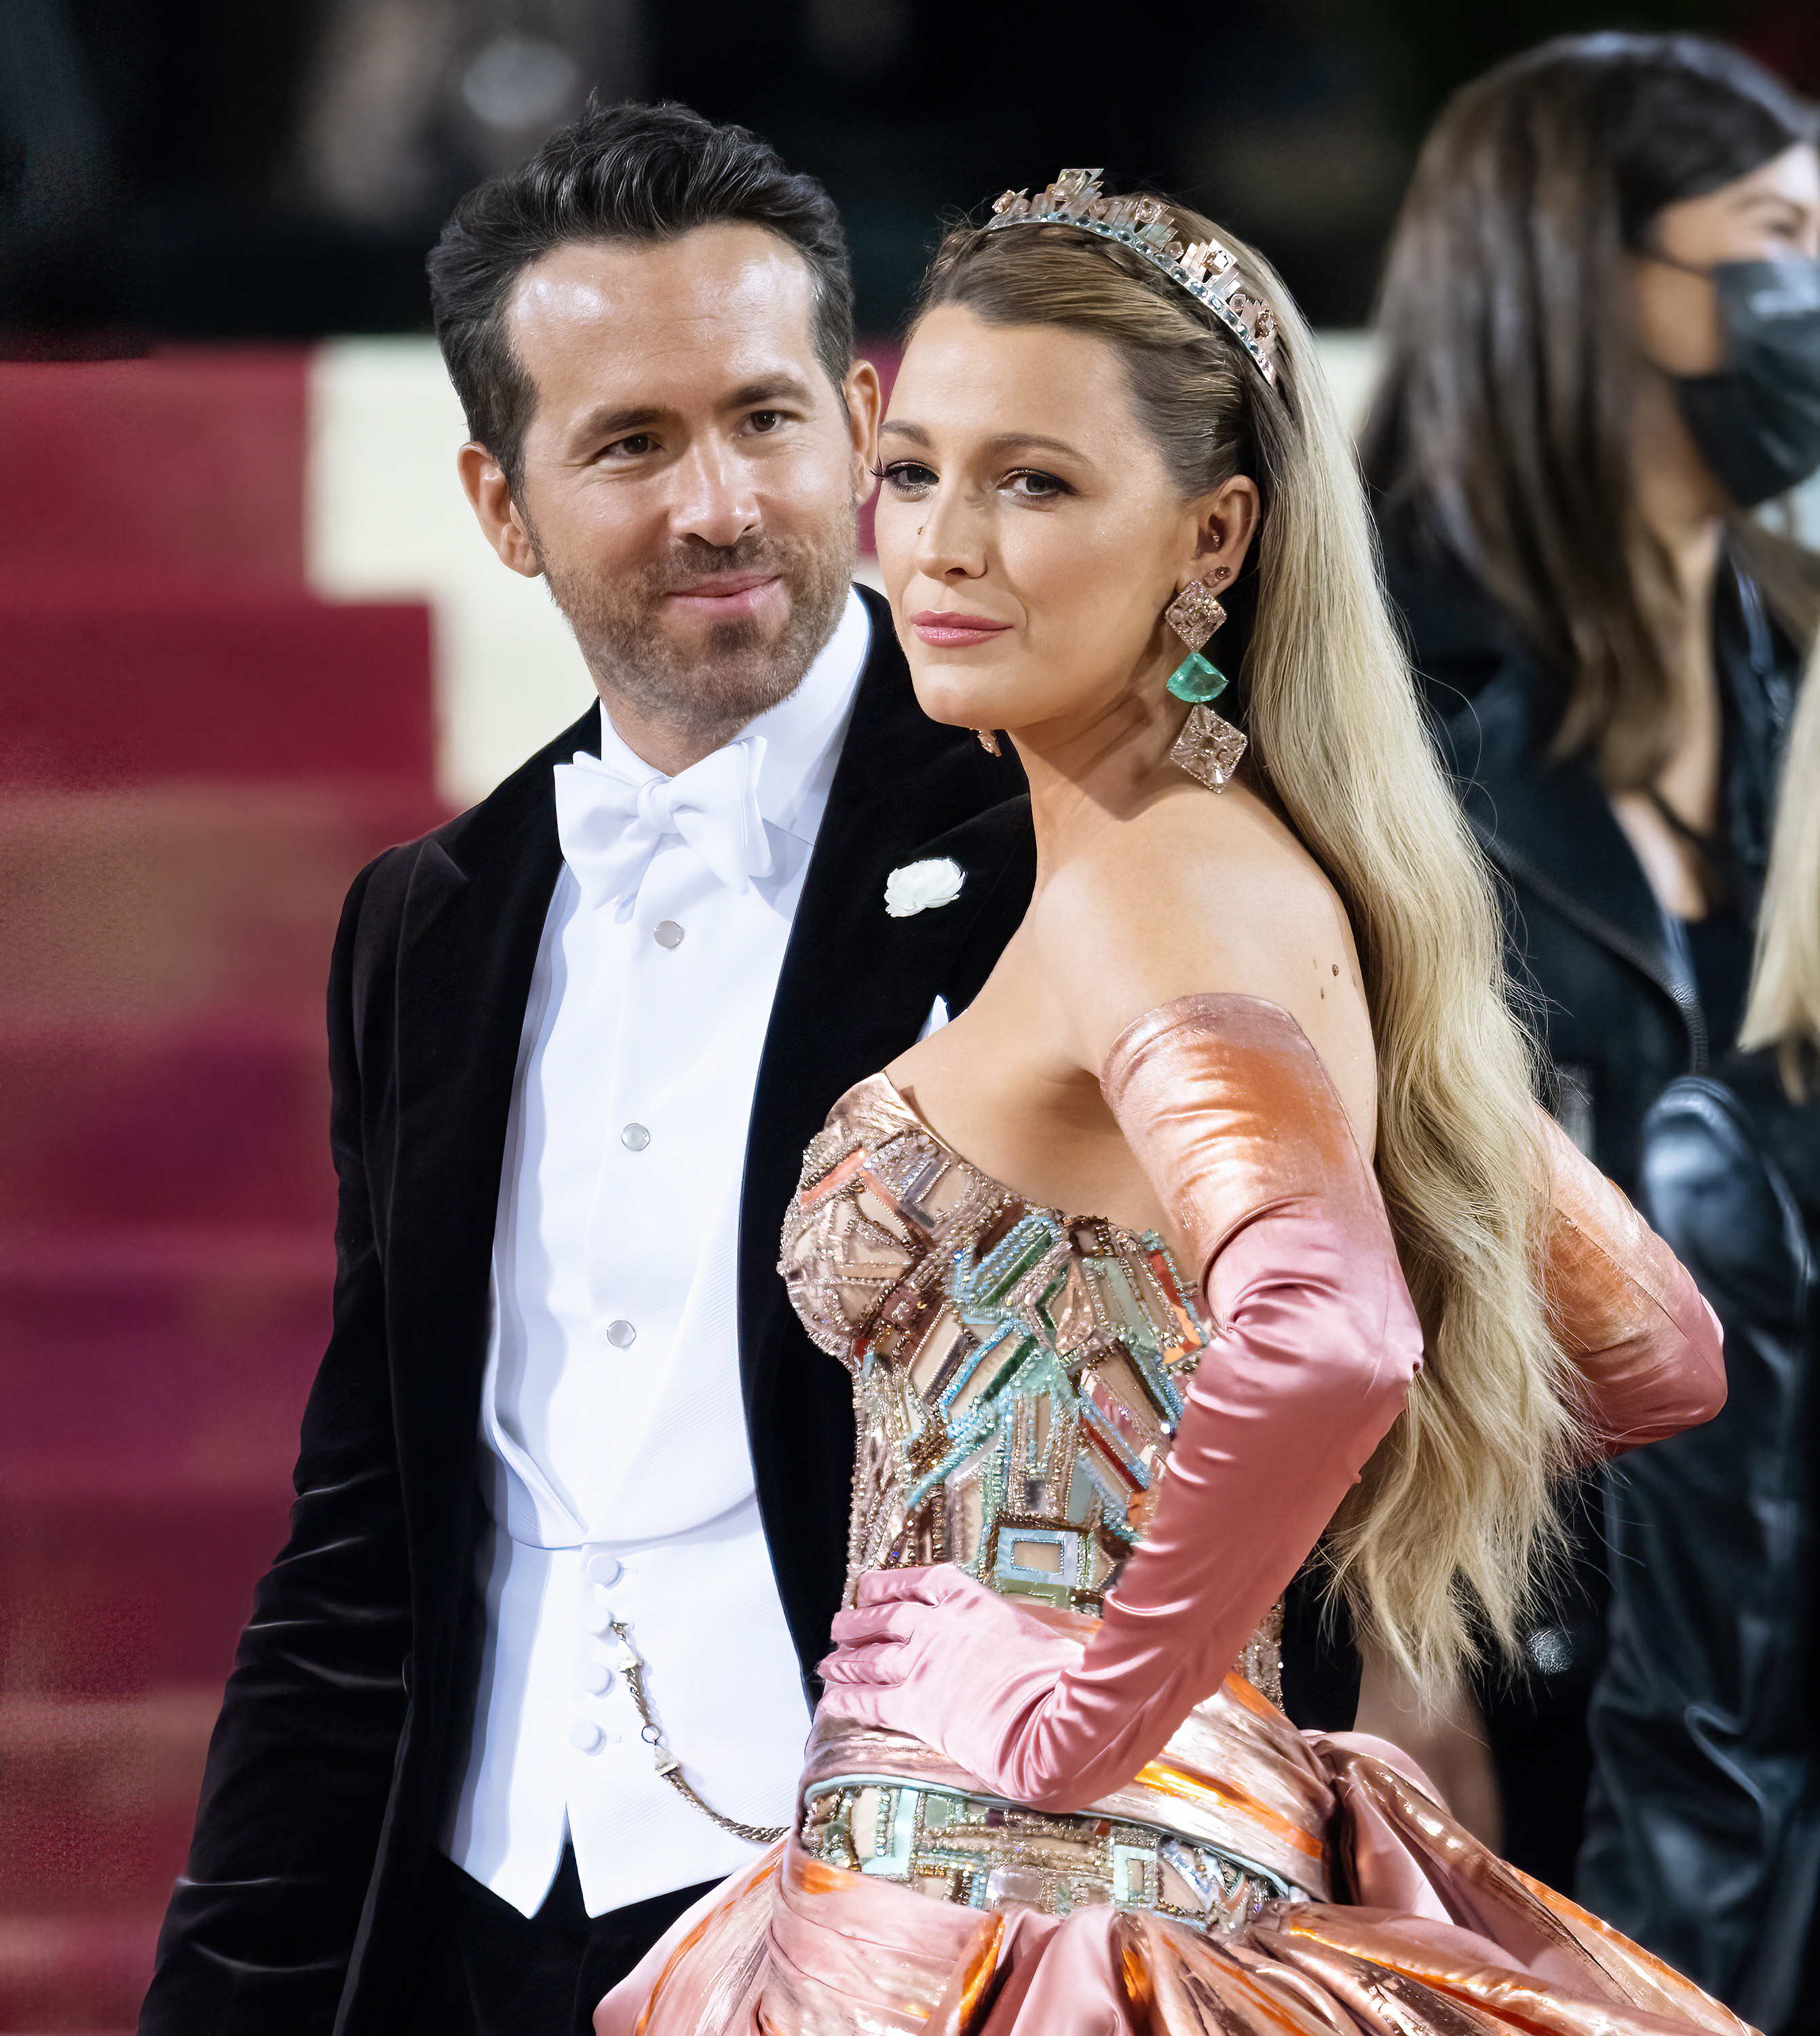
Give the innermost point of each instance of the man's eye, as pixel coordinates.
(634, 447)
(765, 420)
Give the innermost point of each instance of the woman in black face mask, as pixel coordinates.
(1600, 325)
(1601, 332)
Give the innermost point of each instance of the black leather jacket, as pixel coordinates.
(1619, 1011)
(1623, 1014)
(1703, 1830)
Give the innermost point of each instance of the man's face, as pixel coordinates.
(690, 476)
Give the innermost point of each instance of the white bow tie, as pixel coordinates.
(609, 827)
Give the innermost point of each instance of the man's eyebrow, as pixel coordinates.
(1001, 442)
(608, 423)
(768, 389)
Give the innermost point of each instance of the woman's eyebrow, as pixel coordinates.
(1000, 442)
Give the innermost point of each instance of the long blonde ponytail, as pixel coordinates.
(1439, 1546)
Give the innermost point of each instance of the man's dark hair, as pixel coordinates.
(624, 172)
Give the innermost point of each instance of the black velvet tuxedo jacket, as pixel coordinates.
(350, 1707)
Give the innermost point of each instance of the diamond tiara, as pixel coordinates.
(1208, 272)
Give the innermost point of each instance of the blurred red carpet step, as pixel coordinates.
(196, 757)
(190, 460)
(219, 1120)
(144, 1362)
(139, 680)
(154, 901)
(73, 1972)
(96, 1796)
(118, 1596)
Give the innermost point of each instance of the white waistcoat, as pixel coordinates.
(615, 1457)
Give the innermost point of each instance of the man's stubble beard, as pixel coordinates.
(708, 694)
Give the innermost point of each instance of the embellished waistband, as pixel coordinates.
(986, 1852)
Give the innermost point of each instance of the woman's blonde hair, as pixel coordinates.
(1783, 1009)
(1437, 1549)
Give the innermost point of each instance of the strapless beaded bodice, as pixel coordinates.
(1018, 1373)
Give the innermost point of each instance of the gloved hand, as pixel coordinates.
(1232, 1115)
(918, 1631)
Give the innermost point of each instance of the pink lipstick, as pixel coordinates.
(943, 629)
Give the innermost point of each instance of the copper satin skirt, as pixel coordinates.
(1417, 1929)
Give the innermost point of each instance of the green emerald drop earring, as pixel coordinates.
(1196, 679)
(1208, 747)
(1194, 615)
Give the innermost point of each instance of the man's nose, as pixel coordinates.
(715, 499)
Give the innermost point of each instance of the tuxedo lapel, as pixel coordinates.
(856, 987)
(472, 915)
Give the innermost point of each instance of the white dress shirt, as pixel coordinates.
(615, 1457)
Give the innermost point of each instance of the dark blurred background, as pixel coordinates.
(277, 170)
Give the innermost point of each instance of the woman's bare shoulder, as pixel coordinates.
(1197, 895)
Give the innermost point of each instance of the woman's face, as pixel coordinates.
(1029, 531)
(1769, 216)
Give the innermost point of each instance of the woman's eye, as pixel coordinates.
(906, 476)
(1782, 228)
(1029, 485)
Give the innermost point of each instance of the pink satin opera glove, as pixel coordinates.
(1230, 1111)
(1645, 1349)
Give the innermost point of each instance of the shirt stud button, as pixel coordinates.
(584, 1734)
(621, 1334)
(596, 1678)
(635, 1138)
(667, 933)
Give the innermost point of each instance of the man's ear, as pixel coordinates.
(484, 483)
(865, 405)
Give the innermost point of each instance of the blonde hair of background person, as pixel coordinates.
(1783, 1007)
(1435, 1550)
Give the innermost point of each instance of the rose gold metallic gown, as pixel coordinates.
(1019, 1376)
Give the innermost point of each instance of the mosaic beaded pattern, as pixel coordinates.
(987, 1852)
(1018, 1378)
(1018, 1373)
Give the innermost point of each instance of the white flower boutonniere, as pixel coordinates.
(919, 887)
